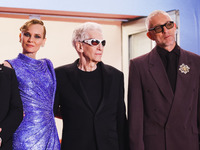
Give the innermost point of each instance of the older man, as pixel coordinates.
(91, 96)
(164, 92)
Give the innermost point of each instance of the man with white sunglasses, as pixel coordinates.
(90, 96)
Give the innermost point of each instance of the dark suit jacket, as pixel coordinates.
(11, 111)
(84, 129)
(158, 118)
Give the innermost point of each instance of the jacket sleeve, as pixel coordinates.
(57, 111)
(15, 114)
(121, 118)
(135, 108)
(198, 113)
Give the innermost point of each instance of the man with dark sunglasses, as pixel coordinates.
(90, 96)
(164, 92)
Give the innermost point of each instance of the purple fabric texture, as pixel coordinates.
(37, 85)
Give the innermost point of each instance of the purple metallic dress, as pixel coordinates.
(37, 85)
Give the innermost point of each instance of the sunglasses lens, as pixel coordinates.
(103, 42)
(158, 29)
(95, 42)
(169, 25)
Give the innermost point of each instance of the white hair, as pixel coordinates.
(80, 33)
(154, 13)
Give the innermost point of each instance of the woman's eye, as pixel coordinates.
(27, 34)
(37, 36)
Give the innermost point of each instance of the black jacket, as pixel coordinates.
(84, 129)
(11, 110)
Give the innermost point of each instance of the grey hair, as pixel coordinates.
(80, 33)
(154, 13)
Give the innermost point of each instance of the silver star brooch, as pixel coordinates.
(184, 68)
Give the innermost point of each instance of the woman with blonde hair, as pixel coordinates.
(37, 85)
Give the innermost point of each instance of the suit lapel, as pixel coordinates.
(184, 82)
(159, 74)
(78, 86)
(182, 78)
(107, 81)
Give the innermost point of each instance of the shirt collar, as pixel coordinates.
(164, 52)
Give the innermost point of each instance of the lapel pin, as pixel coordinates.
(184, 68)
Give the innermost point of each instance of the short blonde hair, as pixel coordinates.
(27, 24)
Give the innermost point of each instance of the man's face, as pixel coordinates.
(93, 53)
(166, 38)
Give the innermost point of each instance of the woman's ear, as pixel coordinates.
(20, 37)
(43, 43)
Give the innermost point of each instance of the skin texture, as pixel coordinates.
(32, 40)
(165, 39)
(90, 55)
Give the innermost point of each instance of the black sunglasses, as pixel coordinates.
(94, 42)
(158, 29)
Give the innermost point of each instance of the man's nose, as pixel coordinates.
(100, 46)
(164, 29)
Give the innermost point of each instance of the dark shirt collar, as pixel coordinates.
(170, 62)
(164, 52)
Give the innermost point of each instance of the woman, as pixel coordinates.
(37, 85)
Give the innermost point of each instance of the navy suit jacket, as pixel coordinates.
(84, 129)
(11, 111)
(158, 118)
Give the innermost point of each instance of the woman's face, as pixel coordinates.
(32, 39)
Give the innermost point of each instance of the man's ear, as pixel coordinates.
(79, 47)
(175, 25)
(149, 35)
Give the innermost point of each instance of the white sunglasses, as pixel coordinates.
(94, 42)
